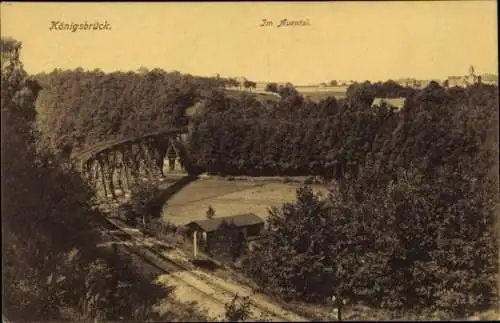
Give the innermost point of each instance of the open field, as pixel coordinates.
(259, 94)
(321, 95)
(228, 198)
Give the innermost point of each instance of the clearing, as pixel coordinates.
(229, 198)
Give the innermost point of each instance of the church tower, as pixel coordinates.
(472, 78)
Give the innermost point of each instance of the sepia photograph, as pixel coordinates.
(249, 161)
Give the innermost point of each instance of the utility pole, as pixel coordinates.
(339, 303)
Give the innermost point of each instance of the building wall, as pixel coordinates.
(248, 231)
(176, 163)
(255, 230)
(212, 245)
(251, 230)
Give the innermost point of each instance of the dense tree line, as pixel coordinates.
(388, 89)
(293, 137)
(332, 138)
(411, 225)
(53, 268)
(78, 108)
(414, 243)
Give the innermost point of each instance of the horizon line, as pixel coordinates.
(136, 70)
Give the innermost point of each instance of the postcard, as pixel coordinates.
(250, 161)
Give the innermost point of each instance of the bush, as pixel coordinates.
(144, 200)
(53, 266)
(210, 212)
(238, 310)
(432, 238)
(412, 225)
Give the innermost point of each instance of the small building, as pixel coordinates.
(248, 224)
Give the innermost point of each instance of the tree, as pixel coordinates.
(53, 267)
(361, 94)
(253, 85)
(287, 89)
(328, 106)
(297, 250)
(333, 83)
(290, 97)
(227, 242)
(143, 200)
(232, 82)
(247, 84)
(415, 176)
(78, 109)
(272, 87)
(210, 213)
(238, 310)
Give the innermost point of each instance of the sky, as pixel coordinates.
(343, 41)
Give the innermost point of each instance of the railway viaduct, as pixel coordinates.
(117, 165)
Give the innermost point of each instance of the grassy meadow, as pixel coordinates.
(228, 198)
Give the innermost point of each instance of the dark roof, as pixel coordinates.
(240, 220)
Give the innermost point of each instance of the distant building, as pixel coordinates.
(472, 78)
(414, 83)
(466, 80)
(457, 81)
(489, 79)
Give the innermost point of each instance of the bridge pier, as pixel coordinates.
(103, 176)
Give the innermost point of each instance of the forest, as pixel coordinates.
(409, 224)
(53, 267)
(334, 138)
(80, 108)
